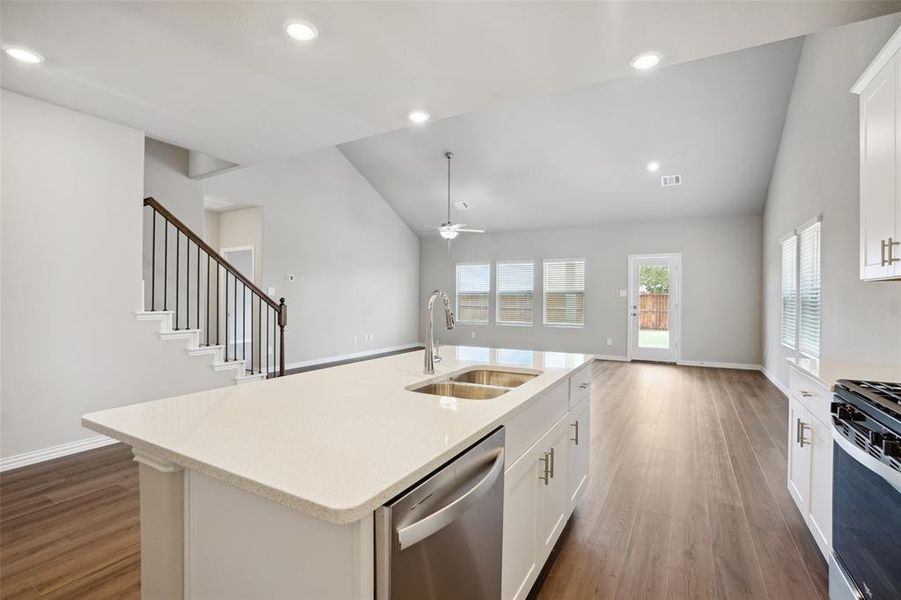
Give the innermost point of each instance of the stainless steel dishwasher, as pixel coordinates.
(442, 538)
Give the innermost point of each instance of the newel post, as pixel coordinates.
(282, 321)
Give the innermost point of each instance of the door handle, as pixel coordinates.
(438, 520)
(802, 441)
(546, 475)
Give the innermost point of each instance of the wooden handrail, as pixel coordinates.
(151, 201)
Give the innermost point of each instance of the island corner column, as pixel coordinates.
(162, 493)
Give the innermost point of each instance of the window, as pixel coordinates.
(473, 289)
(801, 278)
(515, 290)
(809, 290)
(790, 291)
(564, 292)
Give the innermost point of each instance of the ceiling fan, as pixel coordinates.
(449, 230)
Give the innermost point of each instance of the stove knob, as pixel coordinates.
(846, 412)
(891, 445)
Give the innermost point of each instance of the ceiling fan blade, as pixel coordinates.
(456, 225)
(471, 231)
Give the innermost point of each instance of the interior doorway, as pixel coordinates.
(655, 307)
(237, 300)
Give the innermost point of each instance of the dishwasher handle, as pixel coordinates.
(438, 520)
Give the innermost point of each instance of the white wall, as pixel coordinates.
(240, 228)
(356, 263)
(721, 277)
(211, 228)
(72, 187)
(817, 172)
(166, 179)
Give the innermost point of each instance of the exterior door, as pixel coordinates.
(654, 304)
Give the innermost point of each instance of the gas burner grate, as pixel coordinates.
(887, 391)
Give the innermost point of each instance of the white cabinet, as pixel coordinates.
(579, 439)
(880, 164)
(542, 485)
(553, 487)
(810, 457)
(520, 555)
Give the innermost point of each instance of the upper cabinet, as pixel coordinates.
(880, 163)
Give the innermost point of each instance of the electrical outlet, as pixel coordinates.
(371, 337)
(473, 334)
(623, 293)
(356, 339)
(609, 341)
(289, 277)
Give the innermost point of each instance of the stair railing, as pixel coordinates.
(216, 297)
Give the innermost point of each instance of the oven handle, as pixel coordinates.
(435, 522)
(892, 477)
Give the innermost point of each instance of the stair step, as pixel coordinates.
(151, 315)
(231, 364)
(248, 377)
(180, 334)
(204, 350)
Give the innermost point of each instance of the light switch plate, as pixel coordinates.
(270, 291)
(624, 293)
(289, 277)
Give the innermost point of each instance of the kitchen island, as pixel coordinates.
(268, 490)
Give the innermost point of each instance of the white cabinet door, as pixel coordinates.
(520, 556)
(553, 499)
(799, 454)
(579, 439)
(878, 173)
(819, 513)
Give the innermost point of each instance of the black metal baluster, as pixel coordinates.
(187, 282)
(166, 267)
(153, 263)
(235, 315)
(218, 316)
(177, 278)
(259, 334)
(267, 339)
(208, 300)
(198, 293)
(243, 319)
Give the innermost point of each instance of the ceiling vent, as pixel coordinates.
(462, 205)
(670, 180)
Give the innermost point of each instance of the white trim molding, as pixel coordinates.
(611, 357)
(882, 58)
(719, 365)
(35, 456)
(340, 357)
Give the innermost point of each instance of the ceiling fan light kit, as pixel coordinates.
(448, 230)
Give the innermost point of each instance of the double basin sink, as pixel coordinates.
(476, 384)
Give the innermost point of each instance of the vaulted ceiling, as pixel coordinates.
(222, 77)
(581, 156)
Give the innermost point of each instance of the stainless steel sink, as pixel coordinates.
(478, 384)
(466, 391)
(509, 379)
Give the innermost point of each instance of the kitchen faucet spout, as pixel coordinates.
(431, 356)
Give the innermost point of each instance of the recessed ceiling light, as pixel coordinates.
(653, 166)
(302, 31)
(23, 54)
(645, 61)
(419, 116)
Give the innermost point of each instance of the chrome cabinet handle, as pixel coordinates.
(806, 394)
(802, 441)
(576, 439)
(423, 528)
(552, 463)
(545, 476)
(885, 252)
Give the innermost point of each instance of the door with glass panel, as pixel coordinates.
(654, 307)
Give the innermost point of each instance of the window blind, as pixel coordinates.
(564, 292)
(809, 291)
(515, 290)
(473, 288)
(790, 291)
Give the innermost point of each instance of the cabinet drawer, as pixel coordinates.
(525, 428)
(811, 393)
(579, 386)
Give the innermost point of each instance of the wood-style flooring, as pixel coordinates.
(687, 499)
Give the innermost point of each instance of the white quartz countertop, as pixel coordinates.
(828, 371)
(334, 443)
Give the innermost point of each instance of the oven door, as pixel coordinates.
(866, 521)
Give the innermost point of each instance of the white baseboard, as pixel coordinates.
(719, 365)
(611, 357)
(36, 456)
(363, 354)
(775, 381)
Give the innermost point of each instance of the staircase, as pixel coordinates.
(198, 298)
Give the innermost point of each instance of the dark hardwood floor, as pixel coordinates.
(687, 499)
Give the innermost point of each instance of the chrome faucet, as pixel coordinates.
(431, 355)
